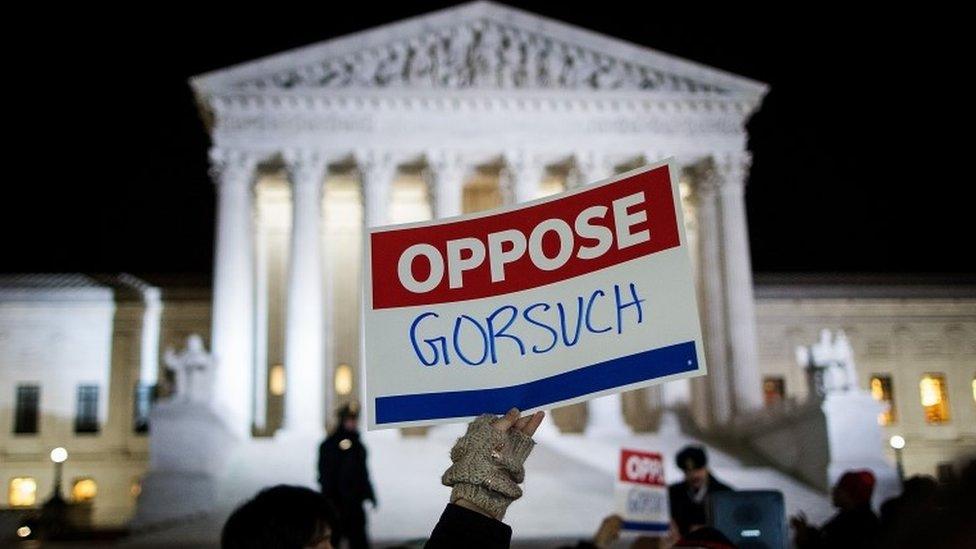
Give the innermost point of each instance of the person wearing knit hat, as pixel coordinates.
(854, 525)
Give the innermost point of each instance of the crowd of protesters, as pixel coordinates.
(488, 468)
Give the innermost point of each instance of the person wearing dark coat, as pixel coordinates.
(854, 525)
(914, 509)
(688, 499)
(344, 478)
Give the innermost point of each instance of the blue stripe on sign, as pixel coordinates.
(618, 372)
(645, 526)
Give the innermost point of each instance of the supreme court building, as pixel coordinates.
(461, 110)
(457, 111)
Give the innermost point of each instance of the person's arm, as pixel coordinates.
(805, 535)
(370, 494)
(461, 526)
(487, 467)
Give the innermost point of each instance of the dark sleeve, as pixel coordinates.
(672, 499)
(716, 485)
(367, 484)
(460, 527)
(322, 467)
(328, 467)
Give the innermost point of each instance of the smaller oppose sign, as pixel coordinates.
(545, 303)
(641, 494)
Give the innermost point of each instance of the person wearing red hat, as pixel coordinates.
(854, 525)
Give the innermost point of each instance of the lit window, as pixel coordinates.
(83, 489)
(551, 185)
(22, 492)
(480, 193)
(343, 379)
(276, 380)
(935, 399)
(135, 489)
(774, 390)
(881, 391)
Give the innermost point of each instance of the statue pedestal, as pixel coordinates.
(188, 449)
(856, 441)
(821, 440)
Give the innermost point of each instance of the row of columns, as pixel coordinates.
(729, 324)
(726, 292)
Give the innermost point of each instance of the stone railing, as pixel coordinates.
(817, 441)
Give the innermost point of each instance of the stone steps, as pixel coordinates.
(568, 488)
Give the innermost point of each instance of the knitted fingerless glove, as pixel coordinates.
(488, 466)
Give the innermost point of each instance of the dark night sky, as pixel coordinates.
(856, 164)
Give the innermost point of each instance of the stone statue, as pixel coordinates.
(844, 355)
(192, 368)
(477, 54)
(829, 363)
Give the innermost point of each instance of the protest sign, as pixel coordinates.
(546, 303)
(641, 494)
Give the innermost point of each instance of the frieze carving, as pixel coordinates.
(352, 123)
(336, 123)
(665, 125)
(482, 54)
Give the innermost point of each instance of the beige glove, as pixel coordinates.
(488, 466)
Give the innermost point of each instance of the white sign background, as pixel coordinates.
(664, 280)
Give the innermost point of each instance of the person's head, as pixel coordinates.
(693, 461)
(281, 517)
(853, 490)
(349, 416)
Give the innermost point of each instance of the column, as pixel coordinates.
(606, 414)
(149, 351)
(232, 331)
(712, 295)
(522, 177)
(650, 157)
(305, 388)
(445, 177)
(259, 406)
(149, 348)
(376, 179)
(589, 168)
(737, 273)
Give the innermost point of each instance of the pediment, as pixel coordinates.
(476, 46)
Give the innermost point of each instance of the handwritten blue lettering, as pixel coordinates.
(430, 342)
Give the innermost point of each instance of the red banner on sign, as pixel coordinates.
(526, 247)
(641, 467)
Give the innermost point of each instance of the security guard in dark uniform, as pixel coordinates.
(344, 478)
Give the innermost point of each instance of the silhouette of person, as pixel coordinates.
(344, 478)
(689, 498)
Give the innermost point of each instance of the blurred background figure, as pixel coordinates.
(344, 478)
(854, 525)
(280, 517)
(917, 502)
(688, 498)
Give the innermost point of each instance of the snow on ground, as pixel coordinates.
(568, 488)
